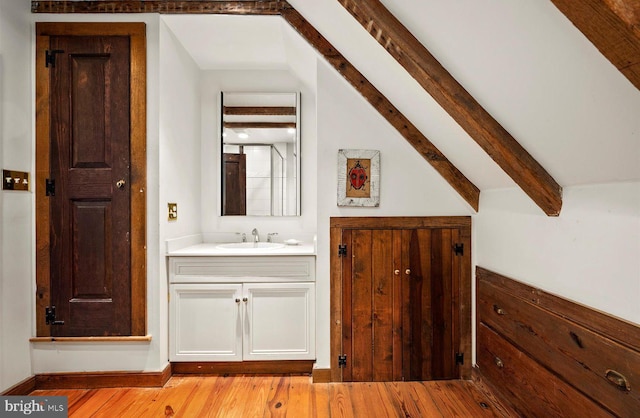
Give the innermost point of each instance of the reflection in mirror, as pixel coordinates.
(260, 154)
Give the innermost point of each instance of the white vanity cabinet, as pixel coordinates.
(241, 308)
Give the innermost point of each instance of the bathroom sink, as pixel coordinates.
(250, 246)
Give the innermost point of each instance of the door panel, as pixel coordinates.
(90, 214)
(279, 321)
(206, 322)
(235, 184)
(361, 305)
(398, 309)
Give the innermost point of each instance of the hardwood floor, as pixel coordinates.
(281, 396)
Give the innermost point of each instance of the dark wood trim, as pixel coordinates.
(243, 367)
(321, 376)
(125, 339)
(469, 192)
(160, 6)
(392, 222)
(458, 103)
(43, 220)
(23, 388)
(259, 125)
(259, 110)
(95, 380)
(138, 179)
(335, 302)
(337, 224)
(620, 330)
(613, 27)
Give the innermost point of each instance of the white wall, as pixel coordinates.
(16, 215)
(541, 78)
(590, 254)
(179, 157)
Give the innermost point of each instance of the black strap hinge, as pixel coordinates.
(50, 57)
(50, 316)
(460, 358)
(342, 250)
(458, 249)
(50, 187)
(342, 360)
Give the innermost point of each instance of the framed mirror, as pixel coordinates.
(260, 154)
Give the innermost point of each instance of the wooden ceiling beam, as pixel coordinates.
(467, 190)
(385, 108)
(160, 6)
(536, 182)
(612, 26)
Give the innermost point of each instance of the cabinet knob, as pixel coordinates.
(407, 271)
(396, 272)
(237, 300)
(120, 183)
(499, 310)
(245, 299)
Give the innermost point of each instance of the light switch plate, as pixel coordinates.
(15, 180)
(173, 211)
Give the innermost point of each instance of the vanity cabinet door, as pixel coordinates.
(205, 322)
(279, 321)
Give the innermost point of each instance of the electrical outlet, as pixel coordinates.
(173, 211)
(15, 180)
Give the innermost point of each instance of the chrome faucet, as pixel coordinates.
(256, 237)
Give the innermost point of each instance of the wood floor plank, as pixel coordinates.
(451, 400)
(94, 400)
(196, 396)
(340, 401)
(199, 400)
(423, 399)
(278, 398)
(132, 398)
(319, 400)
(260, 387)
(235, 400)
(216, 395)
(299, 396)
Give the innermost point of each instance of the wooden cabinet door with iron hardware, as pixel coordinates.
(402, 301)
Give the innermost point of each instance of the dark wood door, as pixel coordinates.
(90, 164)
(399, 298)
(234, 188)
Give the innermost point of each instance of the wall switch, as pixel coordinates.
(15, 180)
(173, 211)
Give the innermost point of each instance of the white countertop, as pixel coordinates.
(212, 249)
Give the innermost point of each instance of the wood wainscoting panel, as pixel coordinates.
(531, 389)
(536, 348)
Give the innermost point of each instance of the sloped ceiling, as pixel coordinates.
(541, 79)
(526, 64)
